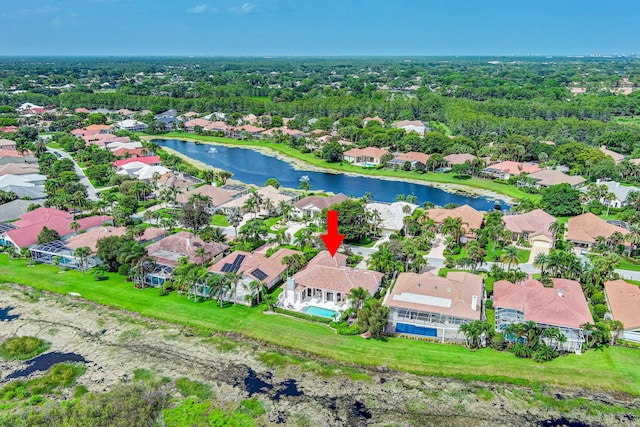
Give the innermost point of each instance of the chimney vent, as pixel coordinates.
(560, 293)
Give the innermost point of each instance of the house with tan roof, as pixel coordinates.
(312, 206)
(507, 169)
(19, 169)
(217, 196)
(458, 159)
(617, 157)
(623, 300)
(372, 119)
(253, 267)
(7, 144)
(471, 218)
(190, 125)
(269, 192)
(326, 282)
(562, 306)
(369, 156)
(584, 231)
(416, 126)
(533, 227)
(167, 252)
(548, 177)
(431, 306)
(413, 157)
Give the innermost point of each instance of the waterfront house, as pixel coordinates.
(623, 300)
(458, 159)
(369, 156)
(471, 218)
(312, 206)
(562, 306)
(147, 160)
(428, 305)
(507, 169)
(191, 125)
(548, 177)
(389, 217)
(269, 192)
(217, 196)
(326, 282)
(413, 157)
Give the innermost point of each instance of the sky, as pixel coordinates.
(319, 27)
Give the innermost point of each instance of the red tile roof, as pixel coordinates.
(535, 223)
(588, 227)
(516, 167)
(413, 156)
(170, 249)
(624, 302)
(545, 305)
(147, 160)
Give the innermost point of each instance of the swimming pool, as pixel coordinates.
(319, 311)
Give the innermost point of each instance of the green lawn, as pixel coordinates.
(219, 220)
(627, 120)
(492, 252)
(612, 369)
(629, 264)
(310, 158)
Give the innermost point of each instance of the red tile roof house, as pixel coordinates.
(167, 252)
(217, 196)
(584, 230)
(103, 139)
(190, 125)
(432, 306)
(413, 157)
(624, 304)
(471, 218)
(31, 223)
(563, 306)
(369, 156)
(312, 206)
(532, 226)
(326, 283)
(147, 160)
(252, 267)
(504, 170)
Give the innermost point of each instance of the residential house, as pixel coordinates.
(12, 210)
(244, 132)
(147, 160)
(562, 306)
(507, 169)
(623, 300)
(7, 144)
(217, 196)
(103, 139)
(584, 231)
(412, 157)
(127, 153)
(170, 123)
(327, 281)
(617, 157)
(167, 252)
(270, 193)
(428, 305)
(621, 193)
(30, 224)
(19, 169)
(471, 218)
(532, 227)
(99, 128)
(372, 119)
(548, 177)
(13, 156)
(270, 133)
(190, 125)
(27, 185)
(369, 156)
(132, 125)
(9, 129)
(458, 159)
(113, 146)
(412, 126)
(389, 217)
(312, 206)
(252, 267)
(169, 114)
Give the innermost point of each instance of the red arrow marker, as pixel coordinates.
(332, 239)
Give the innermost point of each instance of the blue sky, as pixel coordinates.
(319, 27)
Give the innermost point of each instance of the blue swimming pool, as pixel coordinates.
(319, 311)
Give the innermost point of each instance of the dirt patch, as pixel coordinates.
(115, 343)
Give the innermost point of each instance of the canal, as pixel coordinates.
(253, 167)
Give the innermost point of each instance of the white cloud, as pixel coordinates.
(45, 10)
(201, 8)
(247, 7)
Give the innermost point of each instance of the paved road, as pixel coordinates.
(91, 191)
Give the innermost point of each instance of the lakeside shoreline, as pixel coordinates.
(300, 164)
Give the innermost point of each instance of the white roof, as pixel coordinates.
(113, 146)
(148, 171)
(621, 191)
(423, 299)
(21, 180)
(391, 215)
(129, 123)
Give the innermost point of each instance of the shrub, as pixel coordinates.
(522, 351)
(302, 315)
(193, 388)
(22, 348)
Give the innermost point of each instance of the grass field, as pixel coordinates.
(612, 369)
(219, 220)
(627, 120)
(441, 178)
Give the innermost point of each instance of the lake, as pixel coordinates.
(253, 167)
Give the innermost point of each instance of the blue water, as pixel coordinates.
(44, 362)
(253, 167)
(319, 311)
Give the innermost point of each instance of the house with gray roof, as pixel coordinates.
(13, 210)
(621, 192)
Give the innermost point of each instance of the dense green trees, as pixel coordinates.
(561, 200)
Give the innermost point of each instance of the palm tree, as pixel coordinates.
(218, 286)
(234, 279)
(202, 253)
(305, 185)
(554, 336)
(608, 198)
(258, 289)
(473, 331)
(615, 327)
(510, 256)
(234, 216)
(285, 208)
(453, 226)
(83, 253)
(74, 226)
(557, 229)
(357, 296)
(633, 237)
(541, 261)
(475, 254)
